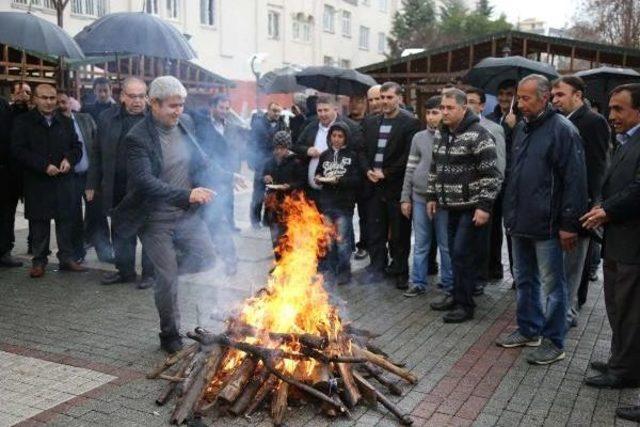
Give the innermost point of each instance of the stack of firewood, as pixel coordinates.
(343, 373)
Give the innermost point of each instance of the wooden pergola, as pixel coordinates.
(18, 65)
(425, 73)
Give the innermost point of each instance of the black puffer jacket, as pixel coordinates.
(344, 165)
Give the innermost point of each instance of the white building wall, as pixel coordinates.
(241, 29)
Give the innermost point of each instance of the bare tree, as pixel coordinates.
(617, 21)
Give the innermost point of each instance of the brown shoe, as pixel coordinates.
(36, 271)
(72, 266)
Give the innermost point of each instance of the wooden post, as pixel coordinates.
(449, 60)
(524, 47)
(142, 70)
(429, 64)
(493, 47)
(624, 60)
(471, 47)
(597, 58)
(548, 51)
(573, 55)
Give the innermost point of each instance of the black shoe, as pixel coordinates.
(172, 345)
(602, 367)
(478, 290)
(631, 413)
(391, 271)
(445, 303)
(457, 315)
(145, 283)
(608, 380)
(402, 282)
(116, 277)
(8, 261)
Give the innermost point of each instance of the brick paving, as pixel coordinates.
(465, 379)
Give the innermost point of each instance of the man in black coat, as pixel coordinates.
(10, 171)
(107, 176)
(103, 99)
(217, 137)
(568, 97)
(46, 144)
(387, 142)
(163, 196)
(263, 127)
(619, 213)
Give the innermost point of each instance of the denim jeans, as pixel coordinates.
(574, 264)
(339, 256)
(542, 294)
(424, 228)
(465, 244)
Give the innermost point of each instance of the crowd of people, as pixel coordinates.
(542, 170)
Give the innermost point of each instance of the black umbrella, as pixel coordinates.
(490, 72)
(136, 33)
(280, 80)
(335, 80)
(600, 81)
(28, 32)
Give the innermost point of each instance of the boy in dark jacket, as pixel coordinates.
(339, 173)
(283, 174)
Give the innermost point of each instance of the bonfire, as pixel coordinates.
(285, 345)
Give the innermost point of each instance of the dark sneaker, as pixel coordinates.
(112, 278)
(360, 254)
(171, 346)
(445, 303)
(546, 354)
(414, 291)
(145, 283)
(8, 261)
(516, 339)
(402, 282)
(457, 315)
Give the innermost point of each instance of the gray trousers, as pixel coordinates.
(161, 240)
(574, 262)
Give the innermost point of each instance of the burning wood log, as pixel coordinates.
(246, 397)
(261, 394)
(237, 381)
(279, 403)
(351, 394)
(385, 364)
(404, 419)
(377, 374)
(172, 360)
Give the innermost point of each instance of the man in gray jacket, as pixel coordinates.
(413, 203)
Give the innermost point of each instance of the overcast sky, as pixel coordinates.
(555, 13)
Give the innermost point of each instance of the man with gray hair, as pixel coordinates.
(546, 193)
(163, 196)
(464, 180)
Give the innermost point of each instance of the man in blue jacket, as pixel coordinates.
(546, 193)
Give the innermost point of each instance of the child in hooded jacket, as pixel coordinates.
(340, 174)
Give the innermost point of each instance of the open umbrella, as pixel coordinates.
(335, 80)
(280, 80)
(135, 33)
(490, 72)
(28, 32)
(600, 81)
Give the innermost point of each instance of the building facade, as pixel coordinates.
(228, 33)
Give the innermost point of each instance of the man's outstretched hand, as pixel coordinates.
(201, 195)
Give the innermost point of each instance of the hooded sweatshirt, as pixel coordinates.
(344, 165)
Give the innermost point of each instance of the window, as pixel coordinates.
(151, 6)
(327, 60)
(35, 3)
(306, 31)
(328, 19)
(382, 5)
(208, 12)
(274, 25)
(173, 9)
(89, 7)
(363, 42)
(345, 63)
(296, 30)
(382, 43)
(346, 23)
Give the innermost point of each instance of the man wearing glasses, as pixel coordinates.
(107, 176)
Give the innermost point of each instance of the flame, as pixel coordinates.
(294, 300)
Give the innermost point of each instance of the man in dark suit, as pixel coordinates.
(103, 99)
(107, 176)
(387, 141)
(619, 213)
(46, 144)
(217, 136)
(163, 195)
(567, 94)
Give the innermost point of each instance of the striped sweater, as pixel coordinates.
(464, 173)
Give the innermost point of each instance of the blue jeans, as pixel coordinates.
(339, 256)
(423, 229)
(542, 295)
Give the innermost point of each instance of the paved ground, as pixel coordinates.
(74, 353)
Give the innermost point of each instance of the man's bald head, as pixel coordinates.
(373, 99)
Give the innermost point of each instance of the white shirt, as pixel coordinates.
(321, 145)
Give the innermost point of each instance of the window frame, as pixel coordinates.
(364, 31)
(273, 24)
(329, 19)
